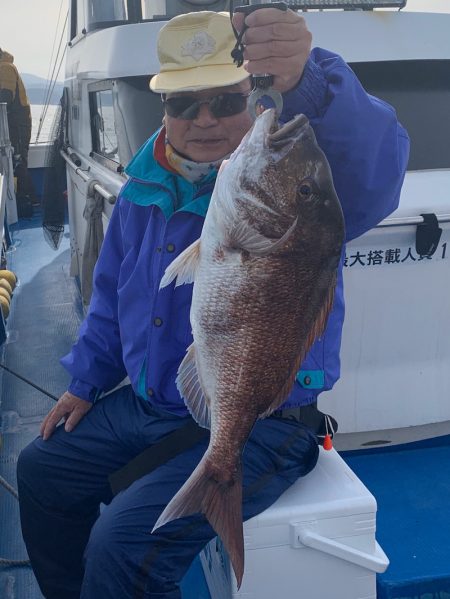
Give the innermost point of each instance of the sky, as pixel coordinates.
(31, 31)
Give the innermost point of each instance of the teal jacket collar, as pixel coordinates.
(150, 183)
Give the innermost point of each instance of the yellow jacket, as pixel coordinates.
(12, 91)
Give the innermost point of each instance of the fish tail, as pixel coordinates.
(220, 502)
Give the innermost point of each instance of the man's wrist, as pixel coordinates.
(309, 95)
(84, 390)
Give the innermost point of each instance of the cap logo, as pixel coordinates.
(199, 46)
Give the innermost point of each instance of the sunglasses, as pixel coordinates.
(188, 107)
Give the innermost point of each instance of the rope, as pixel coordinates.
(53, 79)
(50, 78)
(25, 380)
(54, 39)
(14, 562)
(8, 487)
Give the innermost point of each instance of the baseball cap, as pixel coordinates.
(194, 52)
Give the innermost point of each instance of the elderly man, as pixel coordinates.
(133, 329)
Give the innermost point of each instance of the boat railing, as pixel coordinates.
(397, 221)
(93, 184)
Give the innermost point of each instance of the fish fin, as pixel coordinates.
(183, 267)
(220, 502)
(245, 237)
(322, 318)
(315, 332)
(190, 388)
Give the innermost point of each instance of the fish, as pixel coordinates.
(264, 272)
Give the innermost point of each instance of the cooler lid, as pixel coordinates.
(332, 489)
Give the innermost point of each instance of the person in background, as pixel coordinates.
(12, 91)
(133, 329)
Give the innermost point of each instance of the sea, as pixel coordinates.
(47, 116)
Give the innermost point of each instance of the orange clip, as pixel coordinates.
(327, 443)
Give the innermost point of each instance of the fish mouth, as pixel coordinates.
(268, 133)
(293, 129)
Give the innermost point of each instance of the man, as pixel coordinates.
(12, 91)
(133, 329)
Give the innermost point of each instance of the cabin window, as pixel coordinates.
(163, 9)
(106, 13)
(104, 136)
(73, 19)
(153, 9)
(419, 90)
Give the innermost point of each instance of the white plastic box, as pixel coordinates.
(316, 542)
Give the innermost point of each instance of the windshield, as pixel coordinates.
(419, 90)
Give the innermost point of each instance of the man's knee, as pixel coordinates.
(38, 478)
(133, 563)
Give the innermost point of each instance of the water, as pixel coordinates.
(36, 114)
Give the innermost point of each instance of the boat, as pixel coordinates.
(391, 403)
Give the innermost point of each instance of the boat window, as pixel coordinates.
(73, 19)
(77, 19)
(106, 13)
(419, 90)
(104, 136)
(166, 9)
(152, 9)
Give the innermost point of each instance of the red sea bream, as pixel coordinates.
(264, 272)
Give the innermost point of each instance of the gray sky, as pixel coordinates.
(29, 30)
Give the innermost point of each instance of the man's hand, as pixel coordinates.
(276, 42)
(68, 407)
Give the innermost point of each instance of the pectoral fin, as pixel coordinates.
(190, 388)
(244, 237)
(183, 267)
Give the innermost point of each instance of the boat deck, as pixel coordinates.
(411, 483)
(46, 311)
(43, 322)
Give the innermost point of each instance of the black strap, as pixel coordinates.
(157, 455)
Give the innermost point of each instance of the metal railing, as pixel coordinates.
(396, 221)
(93, 185)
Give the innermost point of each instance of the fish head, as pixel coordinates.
(279, 174)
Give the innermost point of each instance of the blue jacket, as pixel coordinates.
(134, 329)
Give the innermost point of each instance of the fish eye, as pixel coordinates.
(306, 189)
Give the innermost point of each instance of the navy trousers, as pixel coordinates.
(78, 551)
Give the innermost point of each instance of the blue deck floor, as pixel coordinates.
(44, 318)
(411, 485)
(46, 312)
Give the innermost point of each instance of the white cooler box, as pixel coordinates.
(316, 542)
